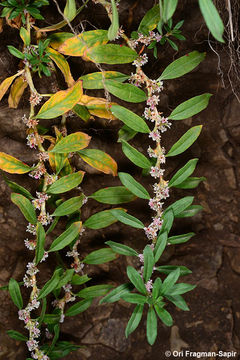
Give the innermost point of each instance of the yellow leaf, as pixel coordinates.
(51, 158)
(98, 106)
(73, 142)
(77, 45)
(17, 89)
(99, 160)
(62, 64)
(61, 102)
(12, 165)
(6, 83)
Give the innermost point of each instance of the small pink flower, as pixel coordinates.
(155, 135)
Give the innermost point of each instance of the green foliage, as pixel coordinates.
(14, 8)
(60, 172)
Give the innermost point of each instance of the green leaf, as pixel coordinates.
(168, 218)
(69, 206)
(136, 279)
(71, 143)
(173, 44)
(40, 242)
(70, 10)
(66, 237)
(135, 156)
(25, 206)
(51, 319)
(116, 294)
(127, 219)
(181, 288)
(185, 141)
(179, 239)
(183, 173)
(169, 7)
(16, 335)
(56, 330)
(160, 245)
(82, 112)
(53, 225)
(94, 291)
(15, 52)
(191, 183)
(151, 326)
(100, 220)
(134, 298)
(164, 315)
(126, 133)
(43, 311)
(99, 257)
(125, 92)
(156, 288)
(18, 188)
(65, 278)
(129, 118)
(170, 281)
(148, 263)
(66, 183)
(134, 320)
(111, 54)
(150, 20)
(134, 186)
(121, 249)
(79, 280)
(79, 307)
(180, 205)
(179, 301)
(212, 19)
(182, 66)
(113, 195)
(190, 107)
(50, 285)
(113, 29)
(15, 293)
(96, 80)
(190, 211)
(167, 269)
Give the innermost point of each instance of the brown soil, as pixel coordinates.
(213, 254)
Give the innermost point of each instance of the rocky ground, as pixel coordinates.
(213, 254)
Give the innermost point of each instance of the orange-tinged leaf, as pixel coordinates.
(77, 45)
(15, 23)
(51, 158)
(62, 64)
(73, 142)
(58, 39)
(12, 165)
(98, 106)
(17, 89)
(6, 83)
(61, 102)
(99, 160)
